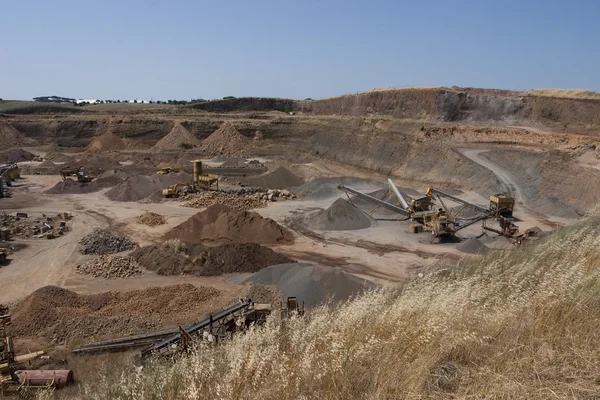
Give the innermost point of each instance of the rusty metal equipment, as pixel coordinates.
(204, 181)
(502, 204)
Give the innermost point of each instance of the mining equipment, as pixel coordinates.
(3, 255)
(200, 182)
(68, 171)
(441, 222)
(177, 190)
(218, 326)
(13, 377)
(164, 171)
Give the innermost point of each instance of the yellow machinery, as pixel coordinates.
(177, 190)
(503, 204)
(164, 171)
(204, 181)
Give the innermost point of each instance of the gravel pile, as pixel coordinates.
(101, 241)
(473, 246)
(340, 216)
(106, 142)
(151, 219)
(233, 201)
(280, 178)
(10, 137)
(110, 267)
(226, 140)
(15, 155)
(179, 138)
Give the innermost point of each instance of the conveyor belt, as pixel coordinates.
(375, 200)
(458, 200)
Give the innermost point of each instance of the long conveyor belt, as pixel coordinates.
(171, 340)
(143, 339)
(374, 200)
(458, 200)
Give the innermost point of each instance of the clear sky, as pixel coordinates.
(182, 49)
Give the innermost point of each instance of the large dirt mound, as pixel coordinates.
(101, 241)
(175, 258)
(312, 284)
(9, 136)
(138, 187)
(179, 138)
(226, 140)
(70, 186)
(61, 316)
(106, 142)
(60, 158)
(15, 155)
(340, 216)
(220, 224)
(47, 164)
(280, 178)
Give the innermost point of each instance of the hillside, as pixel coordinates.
(519, 325)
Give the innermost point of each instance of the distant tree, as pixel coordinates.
(135, 101)
(170, 101)
(308, 98)
(228, 97)
(287, 108)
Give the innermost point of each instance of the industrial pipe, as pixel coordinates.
(47, 378)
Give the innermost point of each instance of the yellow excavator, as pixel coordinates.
(177, 190)
(202, 181)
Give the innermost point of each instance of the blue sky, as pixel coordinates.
(182, 49)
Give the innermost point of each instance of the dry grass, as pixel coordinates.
(565, 93)
(513, 325)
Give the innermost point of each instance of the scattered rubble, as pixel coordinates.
(110, 267)
(101, 241)
(21, 225)
(151, 219)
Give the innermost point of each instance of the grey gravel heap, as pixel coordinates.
(101, 241)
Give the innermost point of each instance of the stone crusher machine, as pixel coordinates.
(441, 222)
(219, 325)
(201, 181)
(14, 378)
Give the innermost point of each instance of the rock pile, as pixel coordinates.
(101, 241)
(151, 219)
(233, 201)
(179, 138)
(25, 227)
(221, 224)
(106, 142)
(340, 216)
(110, 267)
(226, 140)
(177, 257)
(15, 155)
(9, 136)
(280, 178)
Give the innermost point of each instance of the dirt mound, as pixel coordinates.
(310, 283)
(46, 164)
(101, 241)
(59, 158)
(9, 136)
(151, 219)
(220, 224)
(106, 142)
(61, 316)
(69, 186)
(340, 216)
(226, 140)
(119, 173)
(233, 164)
(473, 246)
(110, 267)
(280, 178)
(175, 258)
(138, 187)
(15, 155)
(179, 138)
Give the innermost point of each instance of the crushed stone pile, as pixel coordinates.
(70, 186)
(106, 142)
(226, 140)
(313, 284)
(110, 267)
(59, 158)
(235, 202)
(49, 227)
(220, 224)
(151, 219)
(9, 136)
(179, 138)
(115, 172)
(176, 257)
(280, 178)
(101, 241)
(473, 246)
(340, 216)
(47, 164)
(15, 155)
(61, 316)
(138, 187)
(233, 164)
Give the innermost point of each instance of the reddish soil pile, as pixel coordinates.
(179, 138)
(15, 155)
(280, 178)
(176, 258)
(9, 136)
(226, 140)
(61, 316)
(106, 142)
(220, 224)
